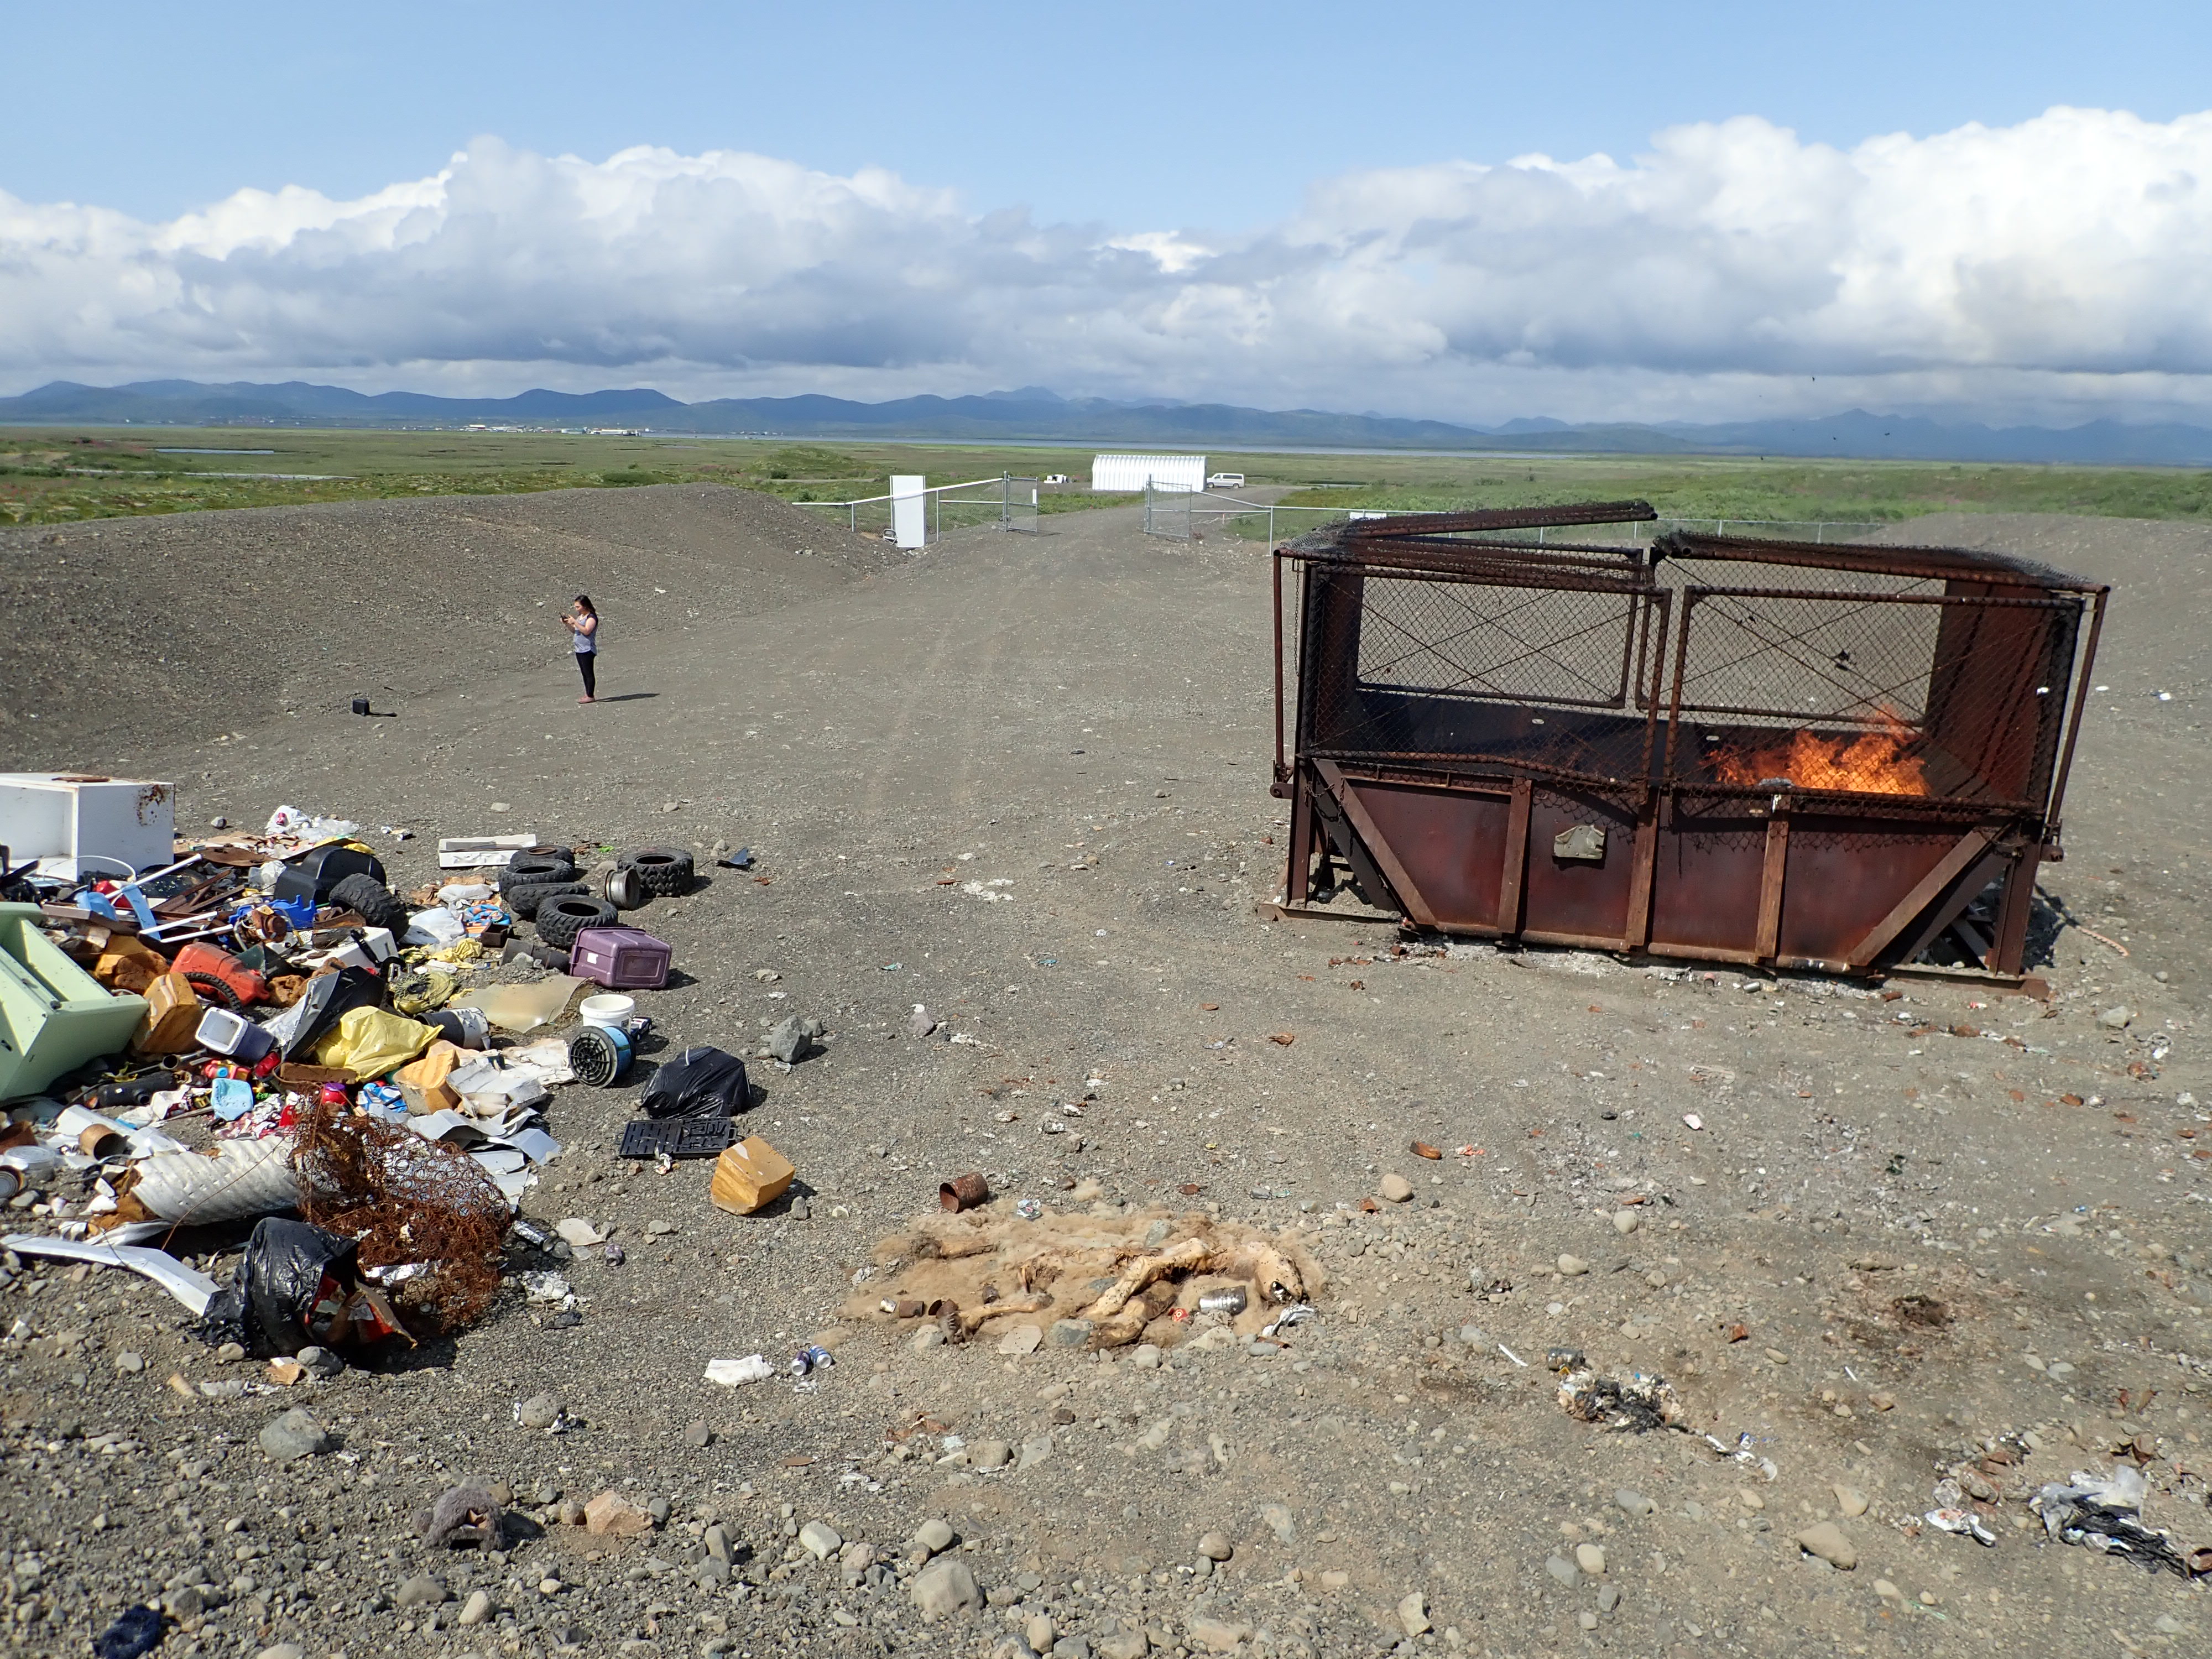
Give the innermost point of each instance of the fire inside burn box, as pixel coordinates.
(1846, 758)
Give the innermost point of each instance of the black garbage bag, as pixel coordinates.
(327, 998)
(136, 1631)
(270, 1307)
(700, 1082)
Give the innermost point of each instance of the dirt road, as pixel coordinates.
(1023, 782)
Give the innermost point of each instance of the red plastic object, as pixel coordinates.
(620, 959)
(215, 962)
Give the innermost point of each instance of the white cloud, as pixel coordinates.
(2061, 265)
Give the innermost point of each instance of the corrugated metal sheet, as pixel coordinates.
(1130, 472)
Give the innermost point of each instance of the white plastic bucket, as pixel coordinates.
(228, 1034)
(612, 1012)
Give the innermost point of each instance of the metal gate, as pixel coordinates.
(1018, 504)
(1167, 512)
(1830, 765)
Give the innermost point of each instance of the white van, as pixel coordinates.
(1225, 481)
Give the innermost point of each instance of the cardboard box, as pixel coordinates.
(750, 1176)
(172, 1018)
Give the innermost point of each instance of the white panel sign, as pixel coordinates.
(909, 524)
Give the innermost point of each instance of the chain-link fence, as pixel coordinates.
(1006, 502)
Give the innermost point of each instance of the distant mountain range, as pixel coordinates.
(1035, 413)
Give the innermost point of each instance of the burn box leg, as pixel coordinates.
(1298, 879)
(2008, 949)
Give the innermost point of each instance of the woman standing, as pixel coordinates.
(583, 623)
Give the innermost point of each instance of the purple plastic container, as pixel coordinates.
(620, 959)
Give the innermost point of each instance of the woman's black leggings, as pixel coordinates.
(587, 664)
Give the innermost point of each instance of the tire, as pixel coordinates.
(538, 867)
(373, 901)
(665, 871)
(215, 991)
(525, 900)
(560, 919)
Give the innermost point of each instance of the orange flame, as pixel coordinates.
(1872, 763)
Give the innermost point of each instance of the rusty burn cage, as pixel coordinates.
(1835, 757)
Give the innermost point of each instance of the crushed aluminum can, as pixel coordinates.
(1297, 1314)
(615, 1256)
(1961, 1521)
(1030, 1209)
(818, 1357)
(1230, 1301)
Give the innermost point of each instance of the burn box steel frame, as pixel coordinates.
(1506, 732)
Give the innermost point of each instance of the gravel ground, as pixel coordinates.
(1023, 782)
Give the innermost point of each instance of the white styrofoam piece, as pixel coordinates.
(188, 1285)
(481, 851)
(535, 1145)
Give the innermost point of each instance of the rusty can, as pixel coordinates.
(964, 1192)
(1228, 1301)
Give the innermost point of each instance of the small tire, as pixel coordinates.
(525, 900)
(210, 989)
(560, 919)
(527, 868)
(373, 901)
(664, 871)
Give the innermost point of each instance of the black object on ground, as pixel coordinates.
(372, 901)
(560, 919)
(314, 875)
(701, 1082)
(598, 1057)
(665, 871)
(266, 1306)
(525, 897)
(136, 1631)
(524, 868)
(678, 1137)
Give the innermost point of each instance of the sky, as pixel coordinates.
(1461, 212)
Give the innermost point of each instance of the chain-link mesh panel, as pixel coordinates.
(1536, 674)
(1918, 695)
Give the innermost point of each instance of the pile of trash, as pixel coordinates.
(1101, 1279)
(258, 1025)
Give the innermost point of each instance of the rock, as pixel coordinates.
(1632, 1503)
(420, 1591)
(1037, 1631)
(697, 1434)
(1587, 1619)
(1888, 1591)
(1070, 1333)
(1145, 1357)
(928, 1337)
(1277, 1518)
(462, 1515)
(571, 1513)
(1852, 1501)
(788, 1040)
(229, 1354)
(1750, 1500)
(1072, 1647)
(919, 1024)
(128, 1363)
(540, 1411)
(475, 1609)
(2117, 1017)
(1215, 1634)
(1626, 1221)
(658, 1508)
(1777, 1357)
(944, 1587)
(1473, 1335)
(934, 1535)
(716, 1542)
(1609, 1597)
(1126, 1644)
(1021, 1339)
(610, 1515)
(1034, 1451)
(1413, 1614)
(1590, 1557)
(1562, 1569)
(1825, 1540)
(184, 1602)
(820, 1540)
(856, 1558)
(989, 1454)
(1215, 1546)
(295, 1435)
(578, 1233)
(1395, 1187)
(1882, 1402)
(282, 1651)
(1573, 1266)
(320, 1362)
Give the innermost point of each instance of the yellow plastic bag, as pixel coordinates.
(368, 1042)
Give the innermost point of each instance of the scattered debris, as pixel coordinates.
(2105, 1512)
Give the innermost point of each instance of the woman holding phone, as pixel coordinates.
(583, 624)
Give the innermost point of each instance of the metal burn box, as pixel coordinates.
(1839, 758)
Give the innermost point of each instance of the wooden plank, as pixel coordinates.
(1769, 885)
(1385, 856)
(1971, 846)
(1510, 877)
